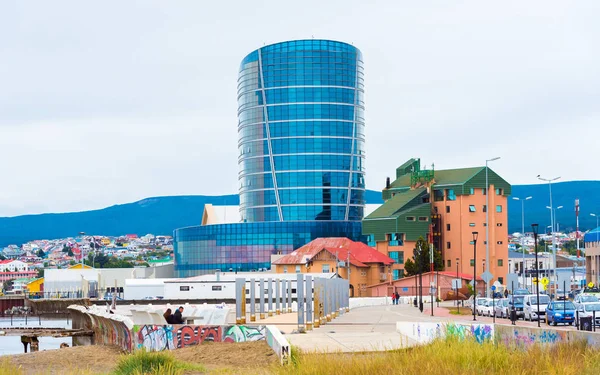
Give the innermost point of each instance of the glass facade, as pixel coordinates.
(301, 132)
(248, 246)
(301, 143)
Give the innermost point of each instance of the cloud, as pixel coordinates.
(112, 102)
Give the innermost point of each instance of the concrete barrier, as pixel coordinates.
(279, 344)
(369, 301)
(509, 335)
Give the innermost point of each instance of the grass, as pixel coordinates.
(451, 356)
(8, 368)
(153, 363)
(463, 311)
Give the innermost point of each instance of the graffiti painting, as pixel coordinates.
(155, 337)
(244, 333)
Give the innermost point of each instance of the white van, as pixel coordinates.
(530, 307)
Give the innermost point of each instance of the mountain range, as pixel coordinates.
(160, 215)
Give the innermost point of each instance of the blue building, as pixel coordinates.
(301, 158)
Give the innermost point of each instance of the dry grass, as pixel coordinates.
(453, 357)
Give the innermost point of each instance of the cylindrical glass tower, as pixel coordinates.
(301, 132)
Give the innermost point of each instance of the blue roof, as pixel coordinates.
(592, 236)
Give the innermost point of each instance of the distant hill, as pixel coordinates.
(160, 215)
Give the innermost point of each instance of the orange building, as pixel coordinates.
(324, 255)
(445, 207)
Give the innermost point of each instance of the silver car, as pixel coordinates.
(501, 309)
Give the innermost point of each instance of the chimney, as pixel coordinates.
(387, 183)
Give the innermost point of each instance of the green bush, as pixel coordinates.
(152, 363)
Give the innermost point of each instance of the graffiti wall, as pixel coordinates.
(425, 332)
(169, 337)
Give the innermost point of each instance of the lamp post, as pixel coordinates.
(484, 282)
(475, 234)
(81, 250)
(487, 216)
(457, 304)
(534, 227)
(522, 200)
(597, 216)
(549, 181)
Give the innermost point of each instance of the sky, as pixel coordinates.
(110, 102)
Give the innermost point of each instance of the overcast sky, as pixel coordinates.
(114, 101)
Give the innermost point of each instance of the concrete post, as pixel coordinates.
(289, 284)
(336, 299)
(278, 296)
(347, 296)
(283, 296)
(262, 298)
(328, 291)
(309, 303)
(317, 302)
(300, 296)
(270, 296)
(240, 301)
(252, 300)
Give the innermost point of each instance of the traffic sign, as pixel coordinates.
(456, 283)
(405, 289)
(493, 288)
(487, 276)
(591, 285)
(535, 280)
(545, 281)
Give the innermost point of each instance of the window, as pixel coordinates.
(450, 195)
(297, 269)
(398, 274)
(447, 226)
(438, 195)
(499, 191)
(371, 240)
(448, 245)
(472, 208)
(471, 224)
(485, 224)
(217, 288)
(472, 191)
(499, 225)
(498, 208)
(500, 262)
(501, 280)
(449, 265)
(284, 269)
(184, 288)
(447, 209)
(410, 218)
(423, 218)
(363, 273)
(484, 208)
(483, 191)
(397, 256)
(499, 242)
(472, 262)
(435, 209)
(325, 268)
(395, 239)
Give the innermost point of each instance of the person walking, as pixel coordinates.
(397, 297)
(393, 298)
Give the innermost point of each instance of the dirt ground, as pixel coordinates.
(248, 357)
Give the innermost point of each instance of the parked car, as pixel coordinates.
(501, 309)
(560, 312)
(521, 292)
(595, 291)
(530, 308)
(584, 298)
(586, 310)
(488, 307)
(517, 302)
(480, 301)
(481, 305)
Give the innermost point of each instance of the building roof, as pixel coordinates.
(396, 203)
(456, 176)
(592, 236)
(463, 276)
(360, 254)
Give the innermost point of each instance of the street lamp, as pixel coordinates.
(457, 304)
(534, 227)
(483, 266)
(487, 216)
(549, 181)
(523, 235)
(81, 249)
(597, 216)
(475, 234)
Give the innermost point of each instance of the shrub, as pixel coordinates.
(152, 363)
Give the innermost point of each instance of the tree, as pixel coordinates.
(41, 253)
(7, 285)
(40, 272)
(70, 252)
(66, 249)
(420, 260)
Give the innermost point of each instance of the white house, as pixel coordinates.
(13, 266)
